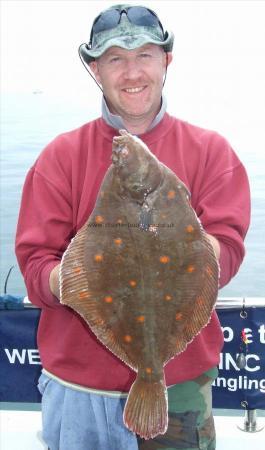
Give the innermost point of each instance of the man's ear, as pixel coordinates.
(94, 68)
(169, 57)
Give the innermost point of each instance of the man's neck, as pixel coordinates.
(137, 127)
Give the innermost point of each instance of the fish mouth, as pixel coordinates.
(119, 155)
(121, 148)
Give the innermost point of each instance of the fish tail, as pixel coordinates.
(146, 409)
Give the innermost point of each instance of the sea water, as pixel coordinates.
(29, 121)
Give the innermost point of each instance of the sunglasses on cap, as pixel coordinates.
(137, 15)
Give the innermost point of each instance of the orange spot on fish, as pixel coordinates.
(190, 268)
(168, 298)
(178, 316)
(209, 271)
(127, 338)
(108, 299)
(83, 294)
(200, 301)
(140, 319)
(99, 219)
(99, 321)
(148, 370)
(189, 229)
(132, 283)
(119, 221)
(118, 241)
(98, 258)
(77, 270)
(171, 194)
(164, 259)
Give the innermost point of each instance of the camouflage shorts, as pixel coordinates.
(191, 424)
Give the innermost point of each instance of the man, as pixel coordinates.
(84, 386)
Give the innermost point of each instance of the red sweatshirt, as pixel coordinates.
(58, 197)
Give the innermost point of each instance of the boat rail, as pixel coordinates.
(222, 302)
(240, 302)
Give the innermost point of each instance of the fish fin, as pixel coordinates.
(146, 409)
(206, 299)
(76, 293)
(72, 275)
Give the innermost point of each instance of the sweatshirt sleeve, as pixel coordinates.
(45, 225)
(223, 204)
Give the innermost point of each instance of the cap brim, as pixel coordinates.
(126, 42)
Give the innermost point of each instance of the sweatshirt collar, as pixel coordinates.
(116, 121)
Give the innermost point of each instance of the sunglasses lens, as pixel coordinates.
(139, 15)
(106, 21)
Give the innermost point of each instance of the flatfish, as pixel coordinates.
(142, 274)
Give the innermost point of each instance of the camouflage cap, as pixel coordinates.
(126, 35)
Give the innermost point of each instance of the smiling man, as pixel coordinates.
(84, 385)
(132, 83)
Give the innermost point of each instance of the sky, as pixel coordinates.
(217, 78)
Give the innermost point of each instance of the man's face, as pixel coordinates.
(132, 80)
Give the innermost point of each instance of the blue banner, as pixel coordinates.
(244, 336)
(20, 364)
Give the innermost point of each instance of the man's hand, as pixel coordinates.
(54, 281)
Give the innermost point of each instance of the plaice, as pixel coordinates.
(142, 274)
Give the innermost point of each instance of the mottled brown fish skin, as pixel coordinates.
(142, 274)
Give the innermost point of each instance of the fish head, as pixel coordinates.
(138, 170)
